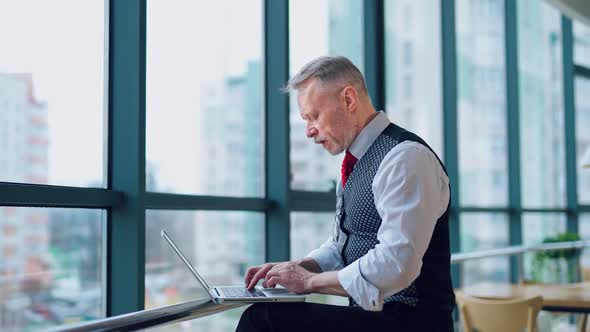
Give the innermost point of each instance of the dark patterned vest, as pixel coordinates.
(360, 221)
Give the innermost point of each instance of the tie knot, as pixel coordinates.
(347, 166)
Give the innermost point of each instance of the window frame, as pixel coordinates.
(126, 199)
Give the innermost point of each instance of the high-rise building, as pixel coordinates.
(231, 119)
(413, 96)
(24, 144)
(24, 158)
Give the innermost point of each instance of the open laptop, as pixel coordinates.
(237, 294)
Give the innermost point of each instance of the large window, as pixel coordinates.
(484, 231)
(481, 103)
(204, 104)
(541, 105)
(537, 227)
(52, 92)
(73, 86)
(50, 267)
(325, 27)
(413, 74)
(309, 231)
(220, 245)
(582, 104)
(585, 234)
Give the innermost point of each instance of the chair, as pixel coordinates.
(498, 315)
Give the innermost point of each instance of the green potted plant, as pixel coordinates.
(548, 266)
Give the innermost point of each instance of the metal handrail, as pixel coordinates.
(144, 319)
(517, 250)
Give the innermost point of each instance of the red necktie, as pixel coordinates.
(347, 166)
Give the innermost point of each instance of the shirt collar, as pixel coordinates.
(368, 135)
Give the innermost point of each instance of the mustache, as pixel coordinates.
(318, 139)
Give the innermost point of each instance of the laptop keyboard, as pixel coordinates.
(238, 292)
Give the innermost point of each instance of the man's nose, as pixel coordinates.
(311, 131)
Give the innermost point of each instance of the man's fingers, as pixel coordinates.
(273, 281)
(259, 275)
(272, 273)
(276, 271)
(250, 273)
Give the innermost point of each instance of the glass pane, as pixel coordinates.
(308, 232)
(204, 105)
(52, 68)
(484, 231)
(584, 221)
(413, 74)
(50, 267)
(542, 139)
(220, 245)
(582, 104)
(537, 227)
(319, 27)
(482, 103)
(581, 44)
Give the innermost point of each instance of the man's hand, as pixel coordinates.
(291, 276)
(256, 273)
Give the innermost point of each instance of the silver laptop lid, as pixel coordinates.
(187, 263)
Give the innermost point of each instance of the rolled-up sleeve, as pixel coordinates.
(411, 191)
(328, 256)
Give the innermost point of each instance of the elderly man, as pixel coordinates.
(389, 252)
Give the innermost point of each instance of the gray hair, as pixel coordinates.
(328, 69)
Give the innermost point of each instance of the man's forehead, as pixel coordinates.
(311, 90)
(306, 99)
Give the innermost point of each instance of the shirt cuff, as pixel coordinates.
(362, 291)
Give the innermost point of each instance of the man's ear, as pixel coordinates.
(350, 97)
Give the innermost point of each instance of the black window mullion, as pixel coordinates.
(513, 130)
(374, 51)
(450, 128)
(34, 195)
(126, 163)
(277, 163)
(569, 124)
(166, 201)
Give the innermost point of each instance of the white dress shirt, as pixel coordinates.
(411, 192)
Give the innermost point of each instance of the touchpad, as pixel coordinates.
(278, 291)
